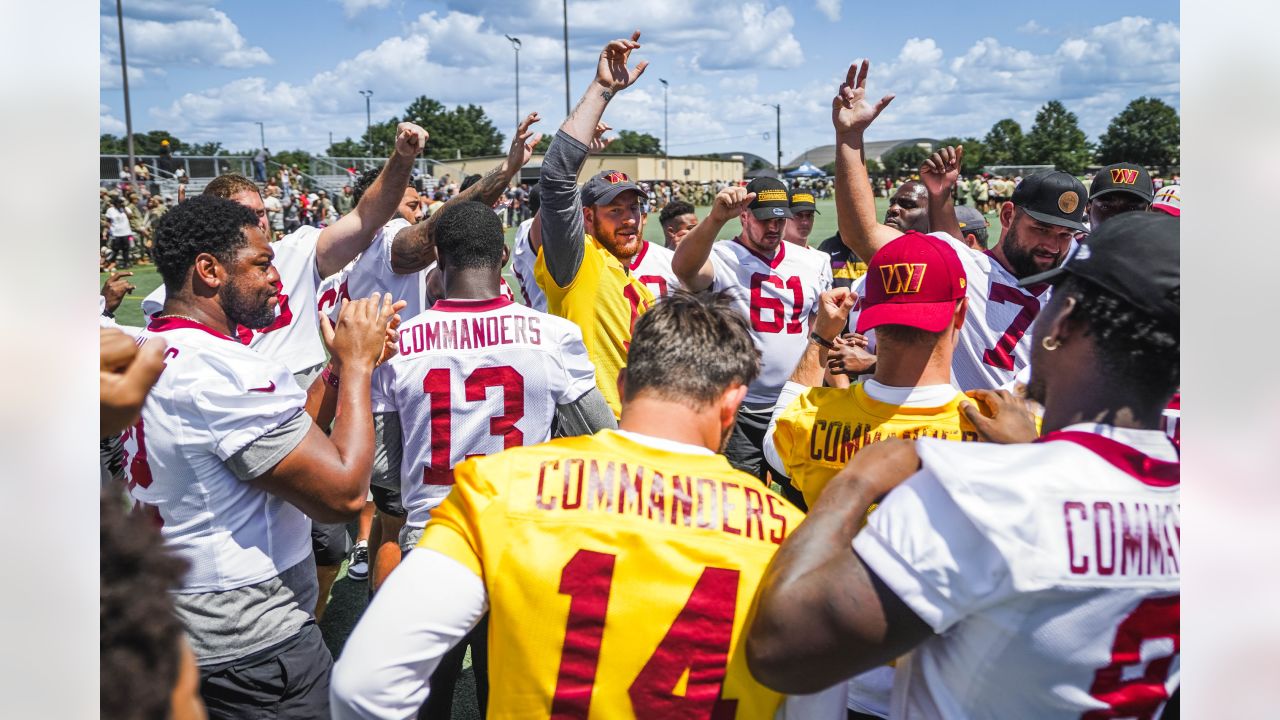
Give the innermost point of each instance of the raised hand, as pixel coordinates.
(523, 142)
(612, 72)
(833, 311)
(360, 337)
(729, 203)
(1006, 419)
(115, 288)
(598, 141)
(851, 111)
(410, 139)
(940, 170)
(127, 375)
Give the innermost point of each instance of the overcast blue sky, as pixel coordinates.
(208, 70)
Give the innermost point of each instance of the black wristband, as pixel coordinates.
(819, 340)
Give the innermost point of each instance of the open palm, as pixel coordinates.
(851, 110)
(612, 71)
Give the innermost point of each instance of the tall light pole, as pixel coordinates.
(778, 110)
(369, 122)
(262, 135)
(666, 147)
(515, 43)
(565, 5)
(124, 71)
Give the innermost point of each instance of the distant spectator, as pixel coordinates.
(121, 234)
(345, 200)
(260, 164)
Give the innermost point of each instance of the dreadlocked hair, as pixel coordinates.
(1134, 348)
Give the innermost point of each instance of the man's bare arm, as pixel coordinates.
(342, 241)
(851, 114)
(414, 248)
(692, 263)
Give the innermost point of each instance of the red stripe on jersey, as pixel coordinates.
(635, 261)
(471, 305)
(170, 322)
(777, 259)
(1143, 468)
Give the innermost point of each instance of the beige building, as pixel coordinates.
(638, 167)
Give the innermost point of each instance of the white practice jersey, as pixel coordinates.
(372, 273)
(779, 297)
(474, 378)
(214, 398)
(333, 290)
(652, 266)
(293, 338)
(1049, 572)
(995, 341)
(523, 258)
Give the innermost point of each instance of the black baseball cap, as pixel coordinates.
(772, 200)
(1123, 177)
(802, 200)
(1133, 255)
(1053, 197)
(606, 185)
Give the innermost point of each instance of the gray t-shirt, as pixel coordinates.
(561, 209)
(231, 624)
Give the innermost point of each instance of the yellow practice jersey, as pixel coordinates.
(620, 577)
(824, 427)
(605, 301)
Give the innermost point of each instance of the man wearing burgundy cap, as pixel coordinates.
(915, 300)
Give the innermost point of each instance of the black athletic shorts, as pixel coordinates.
(330, 542)
(290, 680)
(387, 501)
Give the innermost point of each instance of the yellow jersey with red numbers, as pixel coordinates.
(605, 300)
(620, 577)
(822, 428)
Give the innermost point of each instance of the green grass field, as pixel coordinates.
(824, 226)
(348, 598)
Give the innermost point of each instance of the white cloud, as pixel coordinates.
(1031, 27)
(830, 9)
(107, 123)
(205, 38)
(355, 7)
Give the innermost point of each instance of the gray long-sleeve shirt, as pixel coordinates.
(561, 210)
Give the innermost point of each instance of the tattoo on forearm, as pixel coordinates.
(607, 95)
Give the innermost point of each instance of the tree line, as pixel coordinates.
(1146, 132)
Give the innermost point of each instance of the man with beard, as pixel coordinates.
(908, 208)
(775, 285)
(1038, 226)
(590, 236)
(1050, 566)
(227, 460)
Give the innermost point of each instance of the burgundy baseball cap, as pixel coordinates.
(914, 281)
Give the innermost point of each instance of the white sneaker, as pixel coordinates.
(358, 565)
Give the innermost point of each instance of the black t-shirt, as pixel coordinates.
(846, 266)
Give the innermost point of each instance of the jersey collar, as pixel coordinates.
(777, 258)
(644, 249)
(1129, 460)
(471, 305)
(164, 324)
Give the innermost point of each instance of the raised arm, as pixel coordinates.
(342, 241)
(561, 210)
(414, 248)
(327, 477)
(692, 261)
(851, 114)
(598, 143)
(939, 173)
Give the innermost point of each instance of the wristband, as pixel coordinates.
(330, 377)
(819, 340)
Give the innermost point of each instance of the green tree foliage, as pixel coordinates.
(634, 143)
(904, 160)
(148, 143)
(289, 158)
(464, 131)
(1056, 139)
(543, 144)
(347, 147)
(1145, 132)
(1003, 145)
(974, 151)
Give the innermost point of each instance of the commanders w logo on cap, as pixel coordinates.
(616, 177)
(902, 277)
(1124, 176)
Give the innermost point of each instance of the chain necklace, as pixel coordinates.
(180, 317)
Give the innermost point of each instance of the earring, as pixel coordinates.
(1051, 344)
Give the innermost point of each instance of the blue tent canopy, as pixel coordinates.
(806, 170)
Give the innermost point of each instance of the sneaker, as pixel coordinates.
(358, 566)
